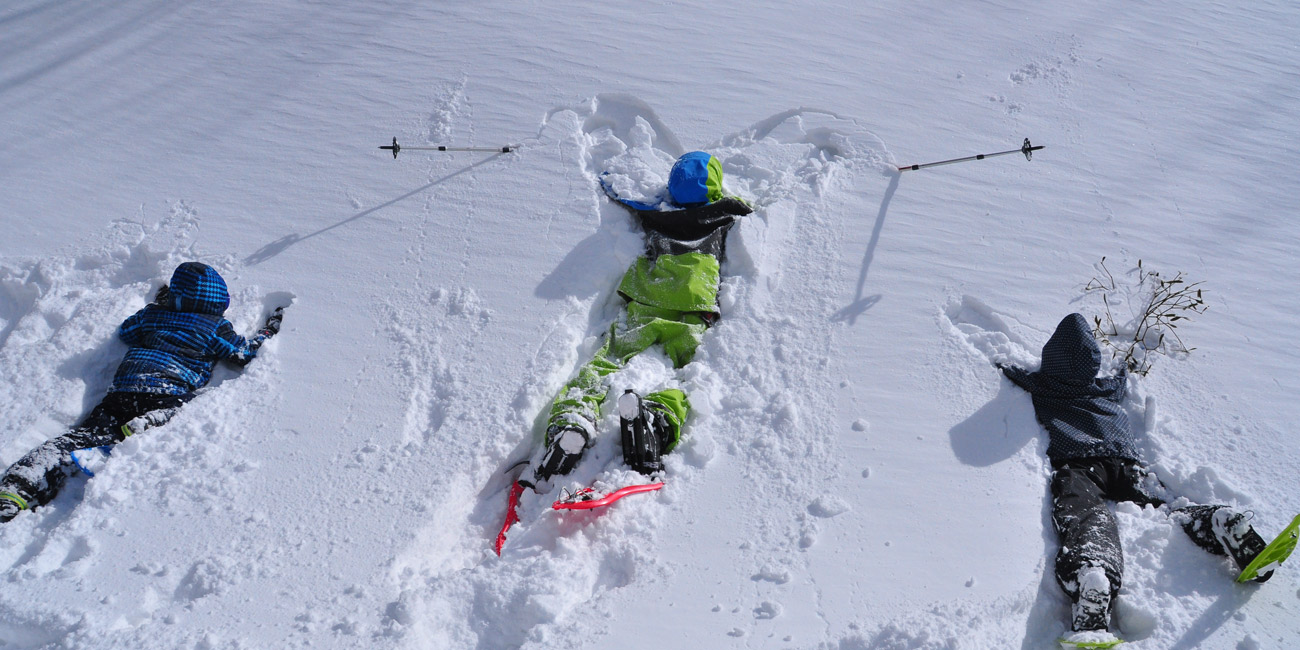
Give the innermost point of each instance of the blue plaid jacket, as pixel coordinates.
(176, 341)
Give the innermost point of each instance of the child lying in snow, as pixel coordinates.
(1094, 459)
(671, 295)
(174, 344)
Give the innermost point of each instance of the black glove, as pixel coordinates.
(163, 296)
(272, 326)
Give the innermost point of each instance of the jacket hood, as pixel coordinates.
(198, 288)
(695, 178)
(1072, 354)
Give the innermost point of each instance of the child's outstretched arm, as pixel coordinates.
(1018, 376)
(236, 349)
(635, 205)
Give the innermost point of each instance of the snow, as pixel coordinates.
(856, 473)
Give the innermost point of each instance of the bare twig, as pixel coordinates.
(1157, 305)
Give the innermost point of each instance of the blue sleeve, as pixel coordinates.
(129, 331)
(232, 347)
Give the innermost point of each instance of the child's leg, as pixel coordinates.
(1084, 526)
(1141, 486)
(1218, 530)
(1222, 530)
(572, 422)
(1129, 481)
(678, 333)
(1197, 522)
(656, 426)
(578, 404)
(571, 425)
(35, 479)
(670, 408)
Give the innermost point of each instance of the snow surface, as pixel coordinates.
(857, 474)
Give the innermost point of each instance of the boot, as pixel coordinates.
(644, 433)
(1091, 610)
(1239, 539)
(561, 456)
(10, 505)
(148, 420)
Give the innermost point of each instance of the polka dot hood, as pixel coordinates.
(1071, 355)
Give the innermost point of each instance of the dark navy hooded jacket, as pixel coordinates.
(174, 345)
(1083, 414)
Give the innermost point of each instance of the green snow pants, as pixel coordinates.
(642, 326)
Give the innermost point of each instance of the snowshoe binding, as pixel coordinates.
(644, 434)
(1256, 559)
(1240, 541)
(565, 448)
(10, 505)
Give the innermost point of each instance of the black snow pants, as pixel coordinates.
(37, 477)
(1086, 527)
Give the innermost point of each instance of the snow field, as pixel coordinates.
(857, 475)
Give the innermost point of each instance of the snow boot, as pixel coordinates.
(644, 433)
(10, 505)
(148, 420)
(1239, 539)
(561, 456)
(1091, 609)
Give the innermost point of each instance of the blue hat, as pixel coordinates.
(695, 178)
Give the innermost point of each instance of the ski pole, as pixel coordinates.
(1026, 149)
(397, 147)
